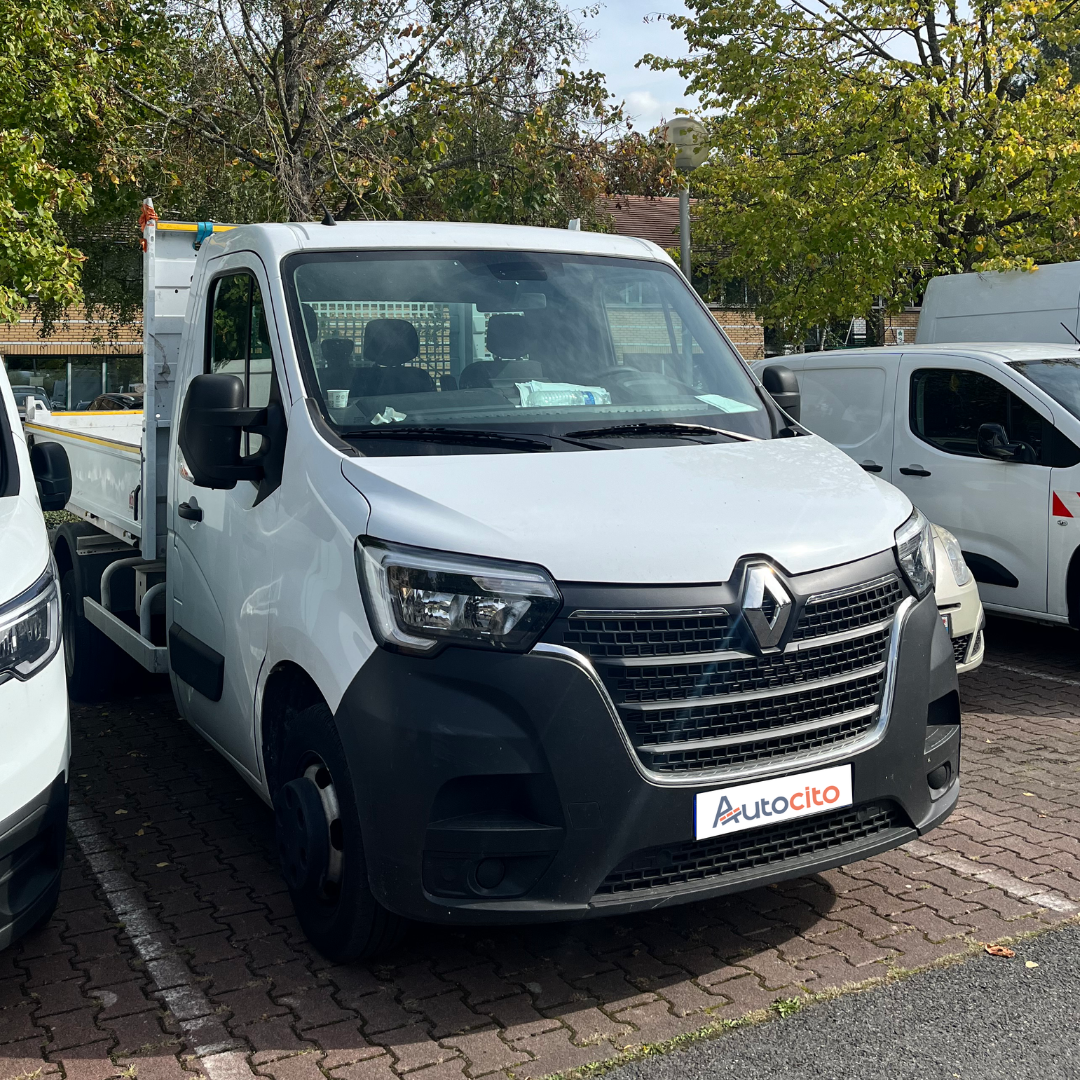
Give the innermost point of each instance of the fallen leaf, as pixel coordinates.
(1030, 964)
(1000, 950)
(1029, 794)
(140, 832)
(161, 864)
(119, 811)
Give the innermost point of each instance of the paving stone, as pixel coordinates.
(486, 1052)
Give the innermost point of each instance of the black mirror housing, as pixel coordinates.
(211, 423)
(783, 388)
(993, 442)
(49, 464)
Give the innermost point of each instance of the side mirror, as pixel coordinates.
(783, 387)
(49, 464)
(211, 423)
(993, 442)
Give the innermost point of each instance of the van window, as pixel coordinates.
(842, 405)
(948, 406)
(240, 342)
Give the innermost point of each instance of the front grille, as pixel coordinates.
(708, 704)
(960, 647)
(613, 633)
(833, 613)
(747, 674)
(706, 860)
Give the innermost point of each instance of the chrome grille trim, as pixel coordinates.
(777, 766)
(751, 736)
(755, 695)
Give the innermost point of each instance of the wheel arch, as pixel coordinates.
(1072, 588)
(288, 690)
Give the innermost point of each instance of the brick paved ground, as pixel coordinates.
(175, 950)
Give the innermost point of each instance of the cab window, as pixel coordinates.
(948, 406)
(239, 340)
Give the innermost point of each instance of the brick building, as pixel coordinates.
(657, 219)
(79, 359)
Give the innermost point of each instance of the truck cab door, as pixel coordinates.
(996, 509)
(220, 555)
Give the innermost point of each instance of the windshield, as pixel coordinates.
(526, 344)
(1060, 378)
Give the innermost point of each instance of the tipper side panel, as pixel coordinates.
(168, 265)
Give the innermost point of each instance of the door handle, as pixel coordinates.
(871, 466)
(190, 511)
(915, 470)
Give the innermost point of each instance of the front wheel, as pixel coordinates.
(90, 658)
(320, 844)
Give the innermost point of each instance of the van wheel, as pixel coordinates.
(320, 844)
(89, 656)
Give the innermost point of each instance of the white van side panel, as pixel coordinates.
(1017, 306)
(850, 403)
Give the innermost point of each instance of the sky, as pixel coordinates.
(621, 36)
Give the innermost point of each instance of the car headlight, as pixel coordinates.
(417, 599)
(961, 572)
(915, 553)
(30, 628)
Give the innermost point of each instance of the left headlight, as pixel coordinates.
(30, 628)
(915, 553)
(961, 572)
(417, 599)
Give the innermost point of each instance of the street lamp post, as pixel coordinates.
(687, 135)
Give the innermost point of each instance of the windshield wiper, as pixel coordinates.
(452, 435)
(645, 429)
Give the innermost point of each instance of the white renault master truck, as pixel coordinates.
(487, 562)
(34, 739)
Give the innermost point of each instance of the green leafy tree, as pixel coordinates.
(860, 147)
(384, 108)
(62, 125)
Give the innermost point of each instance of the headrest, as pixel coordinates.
(311, 322)
(337, 349)
(507, 337)
(390, 342)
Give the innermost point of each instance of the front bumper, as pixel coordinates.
(31, 859)
(472, 761)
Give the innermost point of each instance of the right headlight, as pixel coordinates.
(915, 553)
(30, 628)
(417, 599)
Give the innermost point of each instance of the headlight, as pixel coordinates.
(30, 628)
(960, 571)
(915, 553)
(417, 599)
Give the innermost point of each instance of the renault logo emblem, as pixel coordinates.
(766, 605)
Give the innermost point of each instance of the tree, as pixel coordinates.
(61, 133)
(390, 107)
(861, 147)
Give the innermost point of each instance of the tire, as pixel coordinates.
(320, 843)
(90, 658)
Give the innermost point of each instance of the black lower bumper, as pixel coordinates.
(31, 859)
(499, 788)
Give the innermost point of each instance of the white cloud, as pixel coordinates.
(623, 32)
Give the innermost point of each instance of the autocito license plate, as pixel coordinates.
(750, 806)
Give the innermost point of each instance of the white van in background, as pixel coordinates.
(1040, 305)
(984, 439)
(34, 738)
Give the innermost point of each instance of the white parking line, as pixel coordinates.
(176, 982)
(1033, 674)
(992, 875)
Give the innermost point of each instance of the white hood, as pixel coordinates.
(682, 514)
